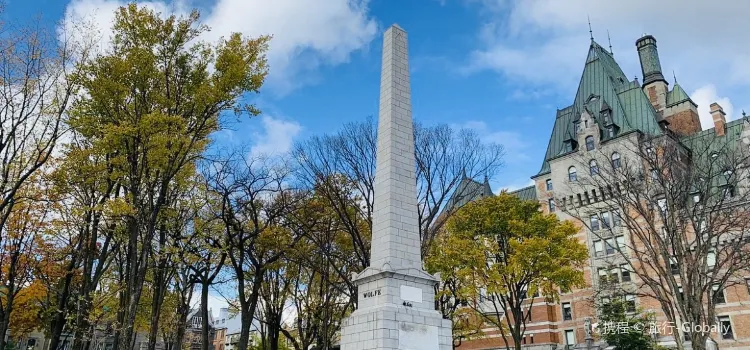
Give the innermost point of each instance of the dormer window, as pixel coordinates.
(606, 117)
(590, 143)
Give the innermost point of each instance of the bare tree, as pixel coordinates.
(680, 208)
(252, 198)
(35, 92)
(443, 157)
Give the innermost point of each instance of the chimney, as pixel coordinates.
(720, 119)
(649, 56)
(654, 84)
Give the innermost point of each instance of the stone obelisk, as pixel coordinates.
(396, 297)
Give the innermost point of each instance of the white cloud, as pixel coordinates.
(307, 34)
(544, 42)
(704, 97)
(276, 138)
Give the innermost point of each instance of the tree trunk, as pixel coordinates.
(247, 310)
(204, 316)
(5, 320)
(58, 323)
(160, 282)
(183, 311)
(699, 340)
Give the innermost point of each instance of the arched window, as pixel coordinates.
(572, 176)
(615, 160)
(589, 143)
(593, 167)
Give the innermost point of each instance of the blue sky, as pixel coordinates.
(501, 67)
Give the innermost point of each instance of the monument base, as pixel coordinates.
(395, 327)
(396, 310)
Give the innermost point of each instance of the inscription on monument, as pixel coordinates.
(370, 294)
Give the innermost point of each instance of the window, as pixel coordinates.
(714, 155)
(593, 168)
(630, 303)
(726, 327)
(610, 245)
(605, 219)
(616, 219)
(602, 275)
(570, 337)
(567, 312)
(674, 266)
(611, 131)
(549, 184)
(654, 174)
(594, 222)
(696, 198)
(607, 118)
(614, 275)
(590, 143)
(662, 204)
(728, 192)
(718, 294)
(711, 259)
(551, 205)
(650, 152)
(599, 250)
(747, 283)
(625, 271)
(620, 242)
(615, 160)
(572, 177)
(532, 338)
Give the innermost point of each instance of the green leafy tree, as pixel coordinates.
(507, 251)
(152, 101)
(449, 293)
(622, 329)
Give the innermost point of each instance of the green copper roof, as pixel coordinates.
(602, 82)
(467, 190)
(677, 95)
(526, 193)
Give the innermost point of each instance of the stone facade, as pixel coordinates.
(675, 114)
(395, 301)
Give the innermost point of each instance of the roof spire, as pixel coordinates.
(674, 76)
(743, 114)
(591, 32)
(610, 44)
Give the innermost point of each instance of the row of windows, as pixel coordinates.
(593, 169)
(726, 330)
(608, 246)
(618, 274)
(602, 220)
